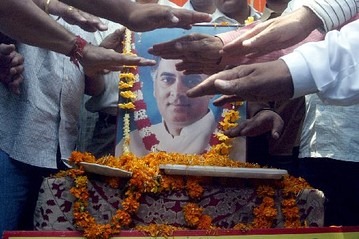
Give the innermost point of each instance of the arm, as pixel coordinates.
(141, 17)
(34, 23)
(38, 29)
(333, 13)
(327, 14)
(329, 67)
(273, 34)
(200, 52)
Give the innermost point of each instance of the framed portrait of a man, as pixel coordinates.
(165, 118)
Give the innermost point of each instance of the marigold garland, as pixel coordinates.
(127, 80)
(147, 178)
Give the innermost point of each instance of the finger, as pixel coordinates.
(206, 87)
(17, 60)
(277, 129)
(16, 70)
(244, 43)
(169, 50)
(94, 21)
(84, 20)
(199, 17)
(236, 131)
(136, 61)
(6, 49)
(73, 16)
(146, 62)
(188, 17)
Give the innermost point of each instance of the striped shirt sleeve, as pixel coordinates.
(333, 13)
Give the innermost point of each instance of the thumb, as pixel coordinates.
(277, 129)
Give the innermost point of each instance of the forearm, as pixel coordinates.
(37, 28)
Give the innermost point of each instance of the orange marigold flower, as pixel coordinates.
(194, 189)
(122, 218)
(130, 204)
(205, 222)
(192, 214)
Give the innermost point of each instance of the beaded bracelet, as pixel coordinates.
(77, 51)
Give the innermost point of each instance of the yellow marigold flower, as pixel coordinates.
(127, 75)
(128, 94)
(222, 137)
(125, 85)
(127, 106)
(249, 20)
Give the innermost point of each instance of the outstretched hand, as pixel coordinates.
(199, 53)
(256, 82)
(83, 19)
(99, 59)
(264, 121)
(73, 15)
(275, 34)
(147, 17)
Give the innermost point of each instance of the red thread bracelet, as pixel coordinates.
(77, 51)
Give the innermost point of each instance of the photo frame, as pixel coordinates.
(148, 123)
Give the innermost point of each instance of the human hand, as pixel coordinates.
(147, 17)
(199, 53)
(264, 121)
(255, 82)
(11, 67)
(75, 16)
(99, 59)
(114, 40)
(275, 34)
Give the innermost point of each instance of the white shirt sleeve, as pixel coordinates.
(329, 68)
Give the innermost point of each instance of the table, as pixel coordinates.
(226, 205)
